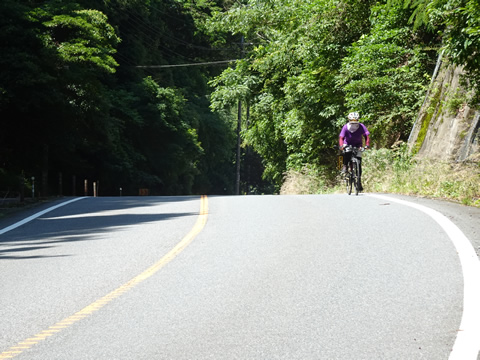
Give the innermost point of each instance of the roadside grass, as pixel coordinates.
(309, 181)
(396, 171)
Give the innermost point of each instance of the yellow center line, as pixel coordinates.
(97, 305)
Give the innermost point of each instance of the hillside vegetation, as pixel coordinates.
(113, 91)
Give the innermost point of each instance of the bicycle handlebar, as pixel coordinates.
(349, 148)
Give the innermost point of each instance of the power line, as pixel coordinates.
(184, 65)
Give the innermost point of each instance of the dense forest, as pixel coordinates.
(151, 94)
(84, 96)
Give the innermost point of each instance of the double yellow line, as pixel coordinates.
(97, 305)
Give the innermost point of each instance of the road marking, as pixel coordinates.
(97, 305)
(467, 343)
(34, 216)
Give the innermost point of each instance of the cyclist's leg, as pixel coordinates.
(346, 159)
(347, 156)
(355, 175)
(349, 182)
(360, 186)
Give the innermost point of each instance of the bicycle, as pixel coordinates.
(352, 174)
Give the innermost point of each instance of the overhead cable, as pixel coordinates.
(183, 65)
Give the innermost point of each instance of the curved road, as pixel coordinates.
(247, 277)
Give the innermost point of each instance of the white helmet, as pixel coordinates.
(353, 116)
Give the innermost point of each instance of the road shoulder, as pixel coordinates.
(466, 218)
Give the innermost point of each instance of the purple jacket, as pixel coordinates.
(354, 139)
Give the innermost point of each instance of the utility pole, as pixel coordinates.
(239, 129)
(248, 163)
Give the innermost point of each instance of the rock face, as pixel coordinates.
(447, 128)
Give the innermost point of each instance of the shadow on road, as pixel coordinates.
(84, 220)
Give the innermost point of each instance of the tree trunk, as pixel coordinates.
(45, 171)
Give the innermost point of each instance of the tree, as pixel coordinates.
(461, 36)
(386, 72)
(458, 21)
(51, 80)
(81, 105)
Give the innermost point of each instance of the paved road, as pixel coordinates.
(267, 277)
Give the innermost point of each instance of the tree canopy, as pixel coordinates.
(75, 100)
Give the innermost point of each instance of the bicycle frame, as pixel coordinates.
(352, 176)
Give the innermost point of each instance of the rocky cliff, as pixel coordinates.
(447, 128)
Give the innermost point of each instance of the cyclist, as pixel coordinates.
(353, 134)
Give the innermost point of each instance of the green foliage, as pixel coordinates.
(288, 76)
(385, 74)
(456, 101)
(420, 13)
(461, 36)
(458, 22)
(83, 36)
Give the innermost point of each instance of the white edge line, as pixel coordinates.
(467, 342)
(34, 216)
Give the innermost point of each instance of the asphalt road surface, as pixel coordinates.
(246, 277)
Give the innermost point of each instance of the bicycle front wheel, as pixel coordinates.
(349, 182)
(356, 177)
